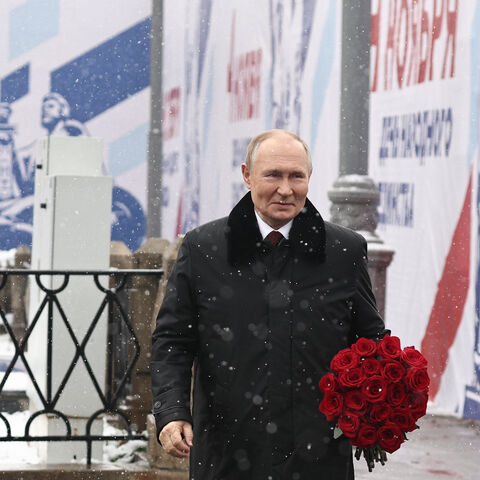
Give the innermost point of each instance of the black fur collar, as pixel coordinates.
(307, 235)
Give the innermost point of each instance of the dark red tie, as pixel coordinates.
(274, 237)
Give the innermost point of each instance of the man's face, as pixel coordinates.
(278, 180)
(51, 112)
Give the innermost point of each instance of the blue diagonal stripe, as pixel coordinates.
(15, 85)
(107, 74)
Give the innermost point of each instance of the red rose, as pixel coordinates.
(396, 394)
(390, 437)
(392, 371)
(414, 358)
(380, 412)
(364, 347)
(351, 378)
(331, 405)
(417, 403)
(418, 413)
(403, 419)
(328, 383)
(375, 388)
(417, 379)
(366, 437)
(389, 347)
(349, 423)
(371, 366)
(356, 400)
(344, 360)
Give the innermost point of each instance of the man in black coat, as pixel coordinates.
(259, 316)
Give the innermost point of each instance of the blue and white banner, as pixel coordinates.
(74, 68)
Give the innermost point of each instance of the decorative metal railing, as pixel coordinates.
(110, 393)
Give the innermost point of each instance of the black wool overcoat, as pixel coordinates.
(260, 326)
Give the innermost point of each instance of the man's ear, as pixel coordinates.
(246, 175)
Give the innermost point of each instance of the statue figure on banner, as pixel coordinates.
(17, 180)
(8, 187)
(17, 170)
(56, 117)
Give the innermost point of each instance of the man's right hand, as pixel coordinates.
(177, 438)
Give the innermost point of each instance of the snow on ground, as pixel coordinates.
(134, 451)
(19, 453)
(7, 258)
(444, 447)
(114, 452)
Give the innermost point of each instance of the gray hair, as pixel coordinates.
(256, 141)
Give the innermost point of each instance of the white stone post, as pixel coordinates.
(72, 218)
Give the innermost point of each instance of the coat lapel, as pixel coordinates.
(307, 236)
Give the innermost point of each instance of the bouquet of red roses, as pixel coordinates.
(376, 392)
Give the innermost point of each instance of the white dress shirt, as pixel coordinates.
(265, 228)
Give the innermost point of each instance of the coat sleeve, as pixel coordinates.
(367, 321)
(174, 344)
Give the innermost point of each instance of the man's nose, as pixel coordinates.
(284, 187)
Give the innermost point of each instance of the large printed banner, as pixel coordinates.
(231, 70)
(74, 68)
(423, 153)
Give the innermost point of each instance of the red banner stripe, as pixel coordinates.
(450, 299)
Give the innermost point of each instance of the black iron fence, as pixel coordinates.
(111, 307)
